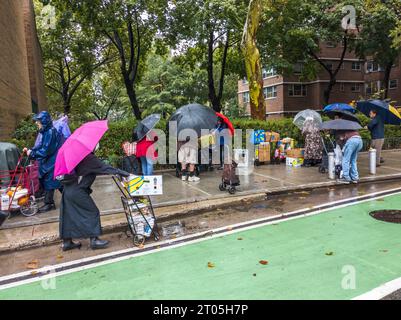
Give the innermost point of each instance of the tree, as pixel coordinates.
(293, 30)
(131, 27)
(70, 54)
(252, 59)
(207, 32)
(379, 20)
(167, 85)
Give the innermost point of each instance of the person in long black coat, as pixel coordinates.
(79, 215)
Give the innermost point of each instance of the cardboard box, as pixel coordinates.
(145, 185)
(262, 153)
(294, 162)
(295, 153)
(272, 136)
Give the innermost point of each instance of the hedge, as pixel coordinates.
(110, 146)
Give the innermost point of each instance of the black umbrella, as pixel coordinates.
(387, 112)
(146, 125)
(340, 124)
(195, 117)
(342, 114)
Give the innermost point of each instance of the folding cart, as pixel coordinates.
(139, 213)
(18, 188)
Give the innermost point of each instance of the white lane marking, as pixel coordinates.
(381, 291)
(242, 227)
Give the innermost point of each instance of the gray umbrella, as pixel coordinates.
(340, 124)
(195, 117)
(146, 125)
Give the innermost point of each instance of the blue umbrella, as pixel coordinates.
(339, 107)
(387, 113)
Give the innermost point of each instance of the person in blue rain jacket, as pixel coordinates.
(45, 153)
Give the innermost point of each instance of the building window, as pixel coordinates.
(372, 66)
(298, 68)
(343, 66)
(297, 90)
(355, 87)
(268, 72)
(356, 66)
(270, 92)
(342, 87)
(372, 87)
(393, 84)
(245, 97)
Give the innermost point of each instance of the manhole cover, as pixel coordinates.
(393, 216)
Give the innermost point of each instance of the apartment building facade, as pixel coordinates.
(22, 89)
(287, 95)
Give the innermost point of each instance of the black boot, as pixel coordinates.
(97, 243)
(68, 244)
(47, 207)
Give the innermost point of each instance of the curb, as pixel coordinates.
(202, 205)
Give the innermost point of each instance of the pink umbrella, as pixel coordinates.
(81, 143)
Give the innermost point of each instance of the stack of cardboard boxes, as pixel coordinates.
(262, 140)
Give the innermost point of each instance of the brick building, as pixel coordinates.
(287, 95)
(21, 71)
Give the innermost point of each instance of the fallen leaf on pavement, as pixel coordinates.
(329, 253)
(264, 262)
(254, 274)
(239, 239)
(59, 257)
(301, 198)
(379, 199)
(34, 272)
(141, 246)
(210, 265)
(383, 250)
(34, 264)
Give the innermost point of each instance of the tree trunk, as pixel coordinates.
(327, 92)
(252, 60)
(387, 73)
(132, 98)
(211, 88)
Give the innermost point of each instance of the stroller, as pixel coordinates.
(330, 146)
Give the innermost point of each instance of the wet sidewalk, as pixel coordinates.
(264, 179)
(182, 198)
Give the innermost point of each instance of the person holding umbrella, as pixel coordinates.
(145, 139)
(348, 137)
(381, 113)
(45, 153)
(376, 128)
(77, 167)
(313, 143)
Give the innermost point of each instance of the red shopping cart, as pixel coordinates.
(18, 188)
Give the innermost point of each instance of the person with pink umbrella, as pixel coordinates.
(77, 167)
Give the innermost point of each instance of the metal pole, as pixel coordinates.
(331, 167)
(372, 161)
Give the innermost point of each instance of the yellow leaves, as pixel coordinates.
(34, 264)
(263, 262)
(210, 265)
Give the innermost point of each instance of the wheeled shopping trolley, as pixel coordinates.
(139, 213)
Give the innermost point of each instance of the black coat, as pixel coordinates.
(79, 215)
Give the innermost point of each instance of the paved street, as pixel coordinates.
(264, 261)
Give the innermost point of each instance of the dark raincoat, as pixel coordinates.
(79, 215)
(46, 152)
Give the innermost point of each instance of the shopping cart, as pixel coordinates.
(18, 188)
(139, 213)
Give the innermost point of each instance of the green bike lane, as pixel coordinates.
(307, 258)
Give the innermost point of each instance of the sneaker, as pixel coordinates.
(355, 181)
(343, 181)
(193, 179)
(381, 160)
(184, 178)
